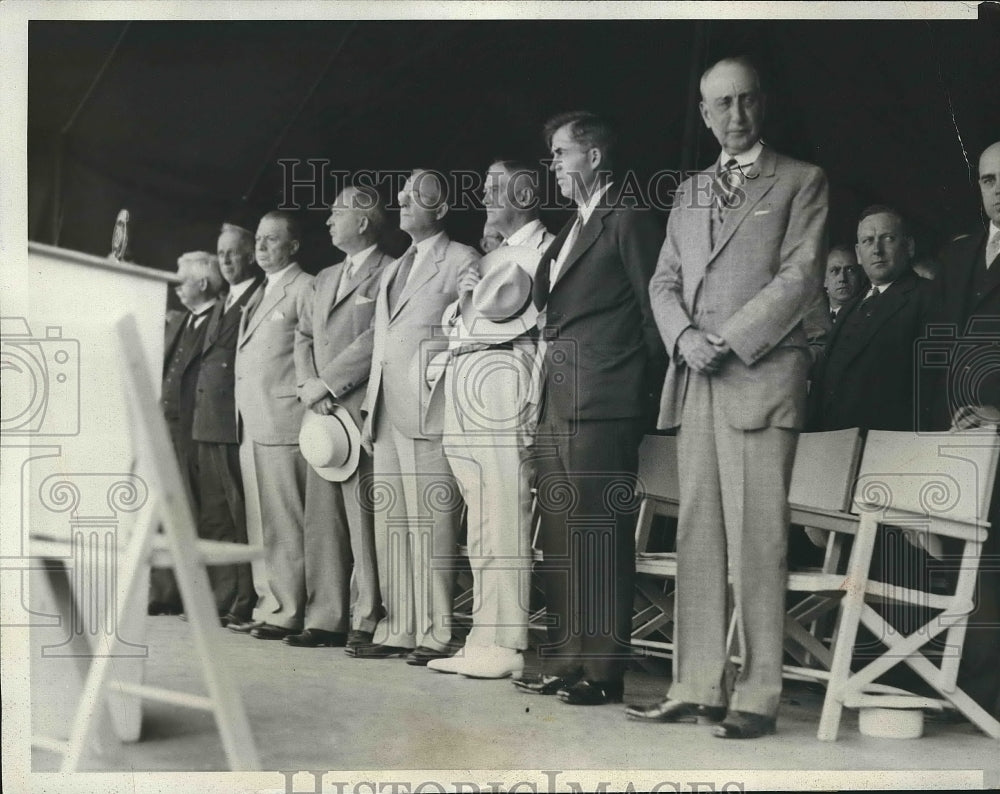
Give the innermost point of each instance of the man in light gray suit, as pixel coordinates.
(742, 262)
(416, 502)
(269, 415)
(333, 346)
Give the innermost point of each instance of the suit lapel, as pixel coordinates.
(542, 286)
(261, 305)
(428, 269)
(373, 260)
(887, 305)
(760, 179)
(215, 323)
(173, 332)
(697, 230)
(223, 320)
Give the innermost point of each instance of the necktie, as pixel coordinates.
(727, 179)
(833, 316)
(402, 274)
(868, 303)
(230, 300)
(255, 302)
(345, 279)
(564, 252)
(992, 249)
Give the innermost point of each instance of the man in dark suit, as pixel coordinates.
(333, 345)
(970, 280)
(221, 512)
(602, 361)
(201, 283)
(741, 266)
(866, 376)
(844, 279)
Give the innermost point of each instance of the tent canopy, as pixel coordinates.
(186, 123)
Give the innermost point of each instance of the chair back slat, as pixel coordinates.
(826, 465)
(942, 474)
(658, 469)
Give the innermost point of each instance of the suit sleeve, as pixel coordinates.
(302, 350)
(305, 366)
(350, 368)
(768, 317)
(666, 287)
(639, 241)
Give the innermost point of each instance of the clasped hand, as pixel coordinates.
(704, 353)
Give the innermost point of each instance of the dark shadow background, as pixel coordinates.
(184, 123)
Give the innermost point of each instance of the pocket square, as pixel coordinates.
(276, 316)
(362, 299)
(761, 212)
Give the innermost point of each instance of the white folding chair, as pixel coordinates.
(935, 486)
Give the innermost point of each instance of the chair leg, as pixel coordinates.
(847, 631)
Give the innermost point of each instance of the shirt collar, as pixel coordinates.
(428, 243)
(361, 256)
(274, 278)
(881, 288)
(587, 209)
(202, 309)
(743, 159)
(237, 290)
(522, 234)
(994, 231)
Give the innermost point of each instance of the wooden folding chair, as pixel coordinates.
(819, 495)
(177, 547)
(658, 490)
(820, 498)
(935, 486)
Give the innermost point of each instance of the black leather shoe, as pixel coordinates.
(163, 608)
(419, 657)
(373, 651)
(744, 725)
(676, 711)
(269, 632)
(357, 637)
(543, 684)
(317, 638)
(592, 693)
(246, 626)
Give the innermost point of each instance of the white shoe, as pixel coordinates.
(495, 662)
(449, 664)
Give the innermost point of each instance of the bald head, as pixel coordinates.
(422, 204)
(989, 181)
(732, 104)
(357, 218)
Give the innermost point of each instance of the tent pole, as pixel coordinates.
(63, 135)
(699, 50)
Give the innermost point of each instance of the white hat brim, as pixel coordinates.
(312, 423)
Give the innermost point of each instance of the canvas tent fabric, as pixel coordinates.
(186, 123)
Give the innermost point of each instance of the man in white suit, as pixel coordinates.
(486, 385)
(269, 417)
(333, 346)
(415, 498)
(741, 264)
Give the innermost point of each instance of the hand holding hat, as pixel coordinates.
(331, 444)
